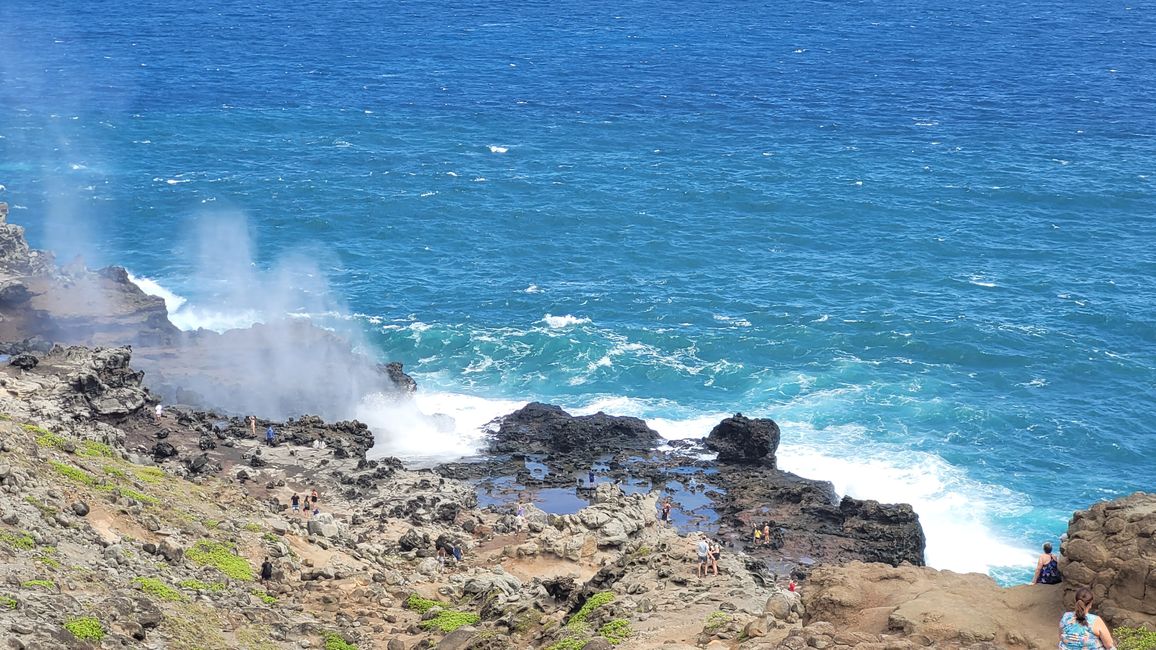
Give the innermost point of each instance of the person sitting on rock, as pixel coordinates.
(703, 551)
(1082, 630)
(1047, 568)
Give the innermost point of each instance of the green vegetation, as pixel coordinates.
(448, 620)
(157, 588)
(422, 605)
(85, 628)
(569, 643)
(252, 527)
(44, 437)
(149, 474)
(8, 602)
(265, 597)
(45, 509)
(74, 473)
(1134, 638)
(578, 620)
(211, 524)
(20, 540)
(334, 641)
(49, 562)
(47, 584)
(716, 621)
(616, 631)
(94, 449)
(222, 558)
(115, 472)
(146, 499)
(271, 538)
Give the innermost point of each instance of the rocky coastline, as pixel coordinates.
(122, 528)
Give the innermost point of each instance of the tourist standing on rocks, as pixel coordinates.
(666, 511)
(590, 477)
(715, 554)
(266, 570)
(296, 501)
(1047, 568)
(703, 551)
(253, 426)
(160, 411)
(758, 534)
(270, 436)
(313, 497)
(766, 533)
(1082, 630)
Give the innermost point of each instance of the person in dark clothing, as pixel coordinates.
(266, 571)
(296, 501)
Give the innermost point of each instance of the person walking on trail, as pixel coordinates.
(266, 570)
(1080, 629)
(1047, 568)
(703, 551)
(270, 436)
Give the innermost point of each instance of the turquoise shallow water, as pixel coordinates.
(920, 238)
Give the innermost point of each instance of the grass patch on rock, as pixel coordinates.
(198, 585)
(74, 473)
(8, 602)
(264, 597)
(47, 584)
(149, 474)
(334, 641)
(422, 605)
(94, 449)
(577, 622)
(50, 562)
(115, 472)
(1134, 638)
(157, 588)
(569, 643)
(616, 631)
(44, 437)
(146, 499)
(716, 621)
(448, 620)
(85, 628)
(18, 540)
(222, 558)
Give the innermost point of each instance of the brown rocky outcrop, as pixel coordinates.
(1111, 547)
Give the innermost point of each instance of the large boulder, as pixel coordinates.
(547, 429)
(1111, 547)
(741, 439)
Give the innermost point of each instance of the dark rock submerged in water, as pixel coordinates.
(741, 439)
(546, 429)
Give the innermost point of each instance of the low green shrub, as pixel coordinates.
(49, 562)
(334, 641)
(578, 620)
(422, 605)
(85, 628)
(149, 474)
(47, 584)
(252, 527)
(264, 596)
(94, 449)
(616, 631)
(569, 643)
(19, 540)
(716, 621)
(1134, 638)
(197, 585)
(146, 499)
(222, 558)
(74, 473)
(448, 620)
(157, 588)
(8, 602)
(44, 437)
(115, 472)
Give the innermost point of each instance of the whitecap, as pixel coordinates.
(533, 288)
(558, 322)
(980, 281)
(425, 194)
(453, 174)
(494, 148)
(480, 179)
(341, 144)
(822, 319)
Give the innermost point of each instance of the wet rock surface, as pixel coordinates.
(741, 439)
(547, 429)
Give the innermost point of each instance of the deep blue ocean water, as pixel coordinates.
(919, 237)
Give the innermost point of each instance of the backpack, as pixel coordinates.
(1050, 573)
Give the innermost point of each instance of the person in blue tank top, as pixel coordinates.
(1047, 568)
(1082, 630)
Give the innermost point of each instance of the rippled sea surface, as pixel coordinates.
(920, 238)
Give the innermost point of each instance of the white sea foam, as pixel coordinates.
(533, 288)
(980, 281)
(494, 148)
(558, 322)
(188, 317)
(434, 426)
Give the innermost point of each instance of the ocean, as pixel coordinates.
(919, 237)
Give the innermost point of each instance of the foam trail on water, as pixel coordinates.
(558, 322)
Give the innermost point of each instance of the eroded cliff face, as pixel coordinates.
(1111, 547)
